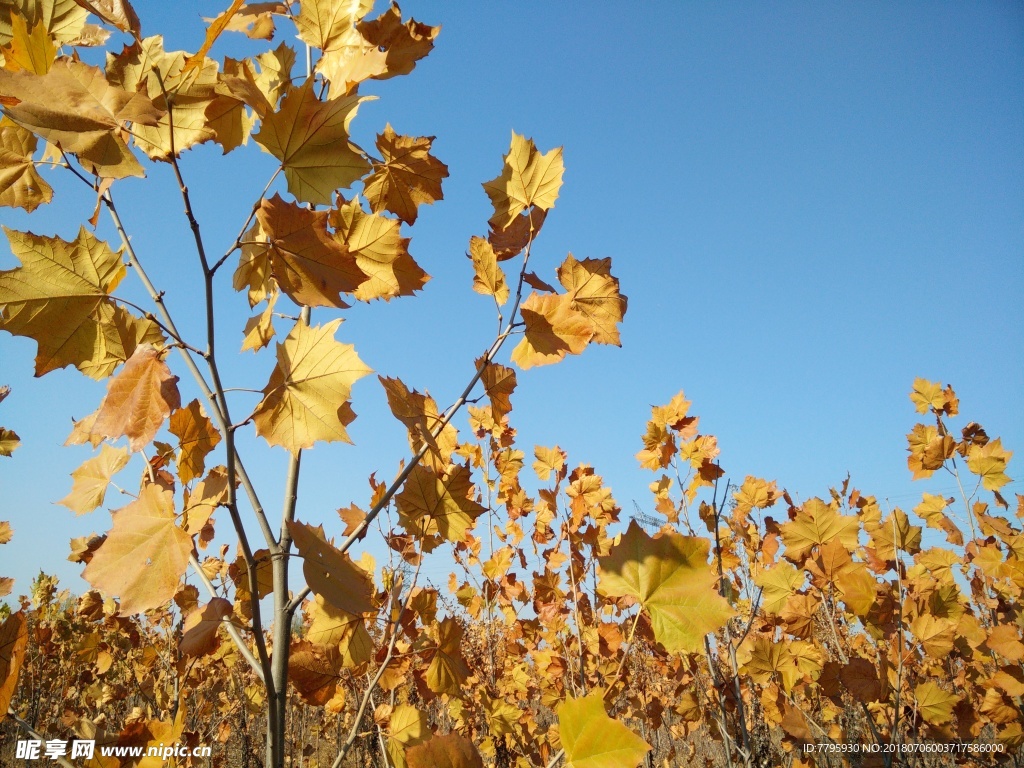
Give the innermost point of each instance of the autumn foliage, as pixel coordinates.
(735, 625)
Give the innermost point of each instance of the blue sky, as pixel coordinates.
(807, 204)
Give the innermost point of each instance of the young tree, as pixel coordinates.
(324, 231)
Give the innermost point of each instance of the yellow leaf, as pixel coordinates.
(489, 279)
(669, 575)
(444, 504)
(138, 399)
(312, 267)
(196, 437)
(935, 633)
(420, 415)
(408, 178)
(553, 330)
(409, 725)
(307, 397)
(403, 43)
(13, 642)
(150, 70)
(20, 185)
(778, 583)
(9, 440)
(499, 383)
(253, 271)
(322, 23)
(594, 293)
(331, 573)
(528, 178)
(591, 739)
(32, 51)
(935, 704)
(310, 138)
(92, 478)
(380, 252)
(447, 671)
(60, 297)
(144, 556)
(74, 107)
(449, 751)
(218, 25)
(989, 463)
(259, 329)
(927, 394)
(816, 524)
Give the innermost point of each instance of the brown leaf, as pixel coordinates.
(117, 13)
(408, 178)
(329, 572)
(450, 751)
(312, 267)
(74, 107)
(13, 641)
(20, 185)
(138, 399)
(196, 438)
(499, 383)
(553, 330)
(510, 240)
(145, 554)
(403, 43)
(199, 634)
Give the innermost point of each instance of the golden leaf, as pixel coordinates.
(144, 556)
(331, 573)
(9, 440)
(935, 633)
(380, 252)
(447, 671)
(29, 50)
(13, 642)
(117, 13)
(669, 575)
(403, 44)
(591, 739)
(527, 178)
(935, 704)
(322, 23)
(138, 399)
(989, 463)
(199, 633)
(312, 267)
(594, 293)
(817, 523)
(310, 138)
(259, 329)
(553, 330)
(20, 185)
(420, 415)
(430, 503)
(307, 397)
(489, 279)
(74, 107)
(60, 297)
(315, 671)
(92, 478)
(777, 584)
(449, 751)
(499, 383)
(408, 178)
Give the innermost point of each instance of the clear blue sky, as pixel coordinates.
(808, 205)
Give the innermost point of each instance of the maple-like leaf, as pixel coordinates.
(60, 297)
(553, 330)
(20, 185)
(9, 440)
(145, 554)
(31, 48)
(509, 241)
(449, 751)
(380, 252)
(816, 524)
(179, 92)
(92, 478)
(117, 13)
(670, 577)
(310, 137)
(594, 293)
(989, 463)
(935, 704)
(777, 584)
(196, 438)
(315, 671)
(13, 642)
(312, 267)
(331, 573)
(138, 400)
(307, 397)
(323, 23)
(199, 633)
(430, 503)
(332, 626)
(74, 107)
(499, 383)
(591, 739)
(448, 670)
(936, 634)
(408, 178)
(253, 271)
(256, 20)
(489, 278)
(259, 329)
(403, 43)
(527, 178)
(420, 415)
